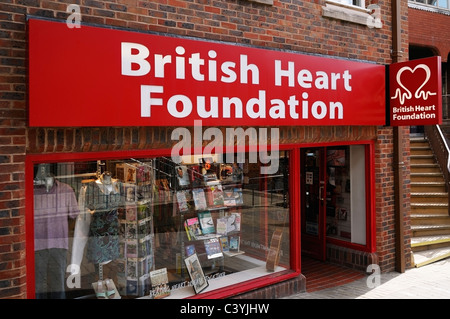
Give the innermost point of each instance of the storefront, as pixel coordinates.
(269, 155)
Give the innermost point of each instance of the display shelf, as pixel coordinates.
(233, 254)
(250, 269)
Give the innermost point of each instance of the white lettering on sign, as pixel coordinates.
(136, 55)
(321, 80)
(181, 106)
(137, 60)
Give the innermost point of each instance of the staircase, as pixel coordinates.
(430, 220)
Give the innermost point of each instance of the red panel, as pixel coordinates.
(416, 92)
(92, 76)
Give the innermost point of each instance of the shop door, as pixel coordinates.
(313, 202)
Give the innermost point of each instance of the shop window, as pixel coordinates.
(354, 11)
(437, 4)
(357, 3)
(153, 228)
(346, 194)
(268, 2)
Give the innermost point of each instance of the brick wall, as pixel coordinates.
(430, 29)
(385, 198)
(72, 140)
(287, 24)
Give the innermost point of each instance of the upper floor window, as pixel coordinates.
(443, 4)
(356, 3)
(355, 11)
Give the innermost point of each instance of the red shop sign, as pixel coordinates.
(416, 92)
(92, 76)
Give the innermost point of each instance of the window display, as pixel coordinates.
(345, 211)
(153, 228)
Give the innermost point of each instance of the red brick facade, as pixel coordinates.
(430, 29)
(288, 24)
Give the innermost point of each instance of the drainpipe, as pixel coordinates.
(399, 164)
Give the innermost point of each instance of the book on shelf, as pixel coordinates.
(198, 195)
(190, 250)
(215, 195)
(131, 212)
(182, 175)
(221, 225)
(239, 198)
(195, 172)
(234, 222)
(234, 243)
(183, 205)
(206, 222)
(228, 224)
(228, 196)
(160, 283)
(193, 229)
(129, 191)
(195, 270)
(213, 248)
(224, 244)
(237, 221)
(231, 172)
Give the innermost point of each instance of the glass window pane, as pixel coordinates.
(346, 211)
(153, 228)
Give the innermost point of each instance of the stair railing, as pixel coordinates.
(440, 146)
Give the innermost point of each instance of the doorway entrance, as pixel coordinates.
(313, 202)
(318, 197)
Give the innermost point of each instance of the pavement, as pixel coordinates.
(431, 281)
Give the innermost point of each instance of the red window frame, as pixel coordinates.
(225, 292)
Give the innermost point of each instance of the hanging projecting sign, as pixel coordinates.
(92, 76)
(416, 92)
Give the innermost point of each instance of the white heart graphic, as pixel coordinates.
(407, 94)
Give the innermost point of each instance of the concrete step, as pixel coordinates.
(425, 168)
(423, 243)
(429, 208)
(426, 177)
(428, 186)
(418, 142)
(427, 197)
(429, 256)
(430, 219)
(430, 230)
(418, 159)
(422, 150)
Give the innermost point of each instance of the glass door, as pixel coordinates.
(313, 202)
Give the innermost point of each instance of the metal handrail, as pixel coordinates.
(445, 141)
